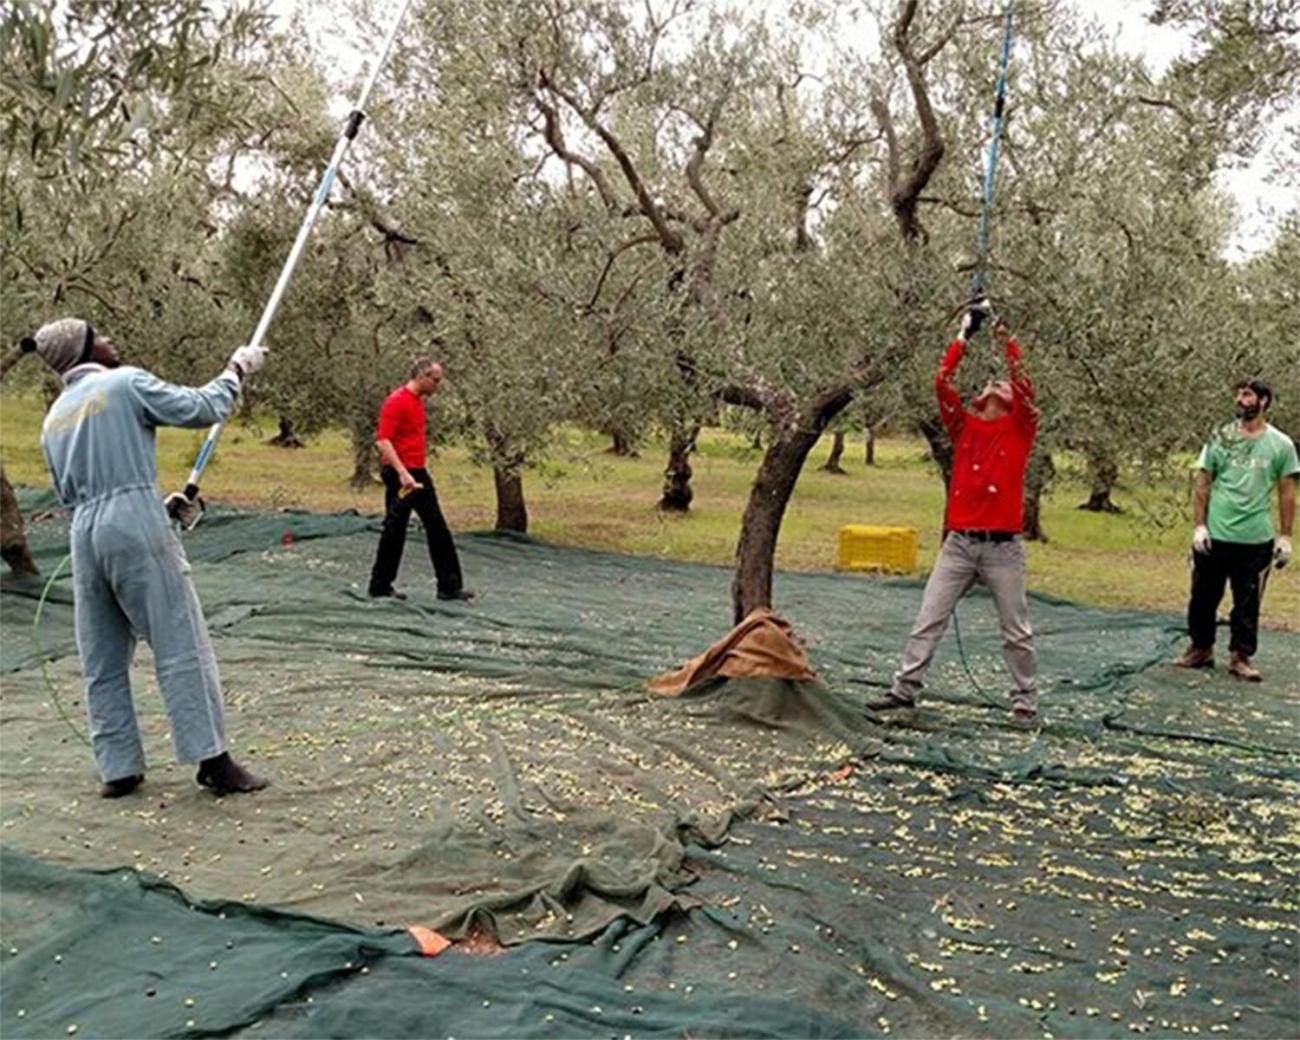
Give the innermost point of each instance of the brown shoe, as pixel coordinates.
(1195, 657)
(1026, 718)
(889, 702)
(1241, 668)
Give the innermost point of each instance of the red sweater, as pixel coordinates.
(989, 456)
(401, 420)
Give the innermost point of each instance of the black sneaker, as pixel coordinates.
(459, 594)
(890, 703)
(122, 785)
(389, 593)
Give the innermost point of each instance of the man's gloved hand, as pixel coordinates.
(1201, 539)
(247, 360)
(974, 317)
(184, 512)
(1281, 551)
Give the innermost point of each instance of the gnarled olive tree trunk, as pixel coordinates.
(1103, 475)
(832, 463)
(512, 511)
(677, 493)
(13, 539)
(622, 444)
(941, 450)
(363, 457)
(507, 475)
(287, 437)
(1038, 474)
(792, 438)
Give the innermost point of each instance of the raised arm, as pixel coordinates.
(166, 404)
(950, 407)
(1022, 388)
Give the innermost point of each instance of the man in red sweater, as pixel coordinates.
(408, 486)
(982, 523)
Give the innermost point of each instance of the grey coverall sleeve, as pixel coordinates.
(166, 404)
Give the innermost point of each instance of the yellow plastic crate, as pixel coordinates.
(873, 547)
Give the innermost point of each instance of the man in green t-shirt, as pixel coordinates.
(1233, 541)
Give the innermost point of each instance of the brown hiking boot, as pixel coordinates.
(1241, 667)
(1195, 657)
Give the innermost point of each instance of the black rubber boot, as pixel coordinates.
(222, 775)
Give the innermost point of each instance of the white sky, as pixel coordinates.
(1259, 202)
(1260, 199)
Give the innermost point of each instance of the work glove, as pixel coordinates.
(1281, 551)
(974, 317)
(1201, 539)
(184, 512)
(247, 360)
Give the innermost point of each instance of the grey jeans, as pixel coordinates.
(963, 561)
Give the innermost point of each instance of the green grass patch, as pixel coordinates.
(583, 496)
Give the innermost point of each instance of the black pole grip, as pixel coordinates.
(355, 119)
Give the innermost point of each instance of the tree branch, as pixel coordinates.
(743, 396)
(880, 110)
(669, 239)
(555, 138)
(614, 254)
(905, 194)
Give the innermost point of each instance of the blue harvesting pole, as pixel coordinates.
(982, 246)
(184, 506)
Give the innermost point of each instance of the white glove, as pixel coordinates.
(1201, 539)
(247, 360)
(1281, 551)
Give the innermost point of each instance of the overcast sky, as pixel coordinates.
(1259, 202)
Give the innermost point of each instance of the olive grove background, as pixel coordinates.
(649, 217)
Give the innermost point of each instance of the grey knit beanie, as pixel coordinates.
(62, 344)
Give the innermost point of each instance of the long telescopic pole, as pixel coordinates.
(350, 128)
(982, 247)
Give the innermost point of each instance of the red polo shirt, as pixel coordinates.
(401, 420)
(987, 489)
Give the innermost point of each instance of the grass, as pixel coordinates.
(582, 496)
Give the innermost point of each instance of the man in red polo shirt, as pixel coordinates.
(982, 523)
(408, 486)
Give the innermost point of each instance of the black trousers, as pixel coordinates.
(397, 514)
(1244, 565)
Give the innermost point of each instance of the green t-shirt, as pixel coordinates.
(1245, 469)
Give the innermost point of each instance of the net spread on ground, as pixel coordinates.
(754, 858)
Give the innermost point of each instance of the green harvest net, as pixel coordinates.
(752, 859)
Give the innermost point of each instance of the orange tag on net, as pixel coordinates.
(431, 943)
